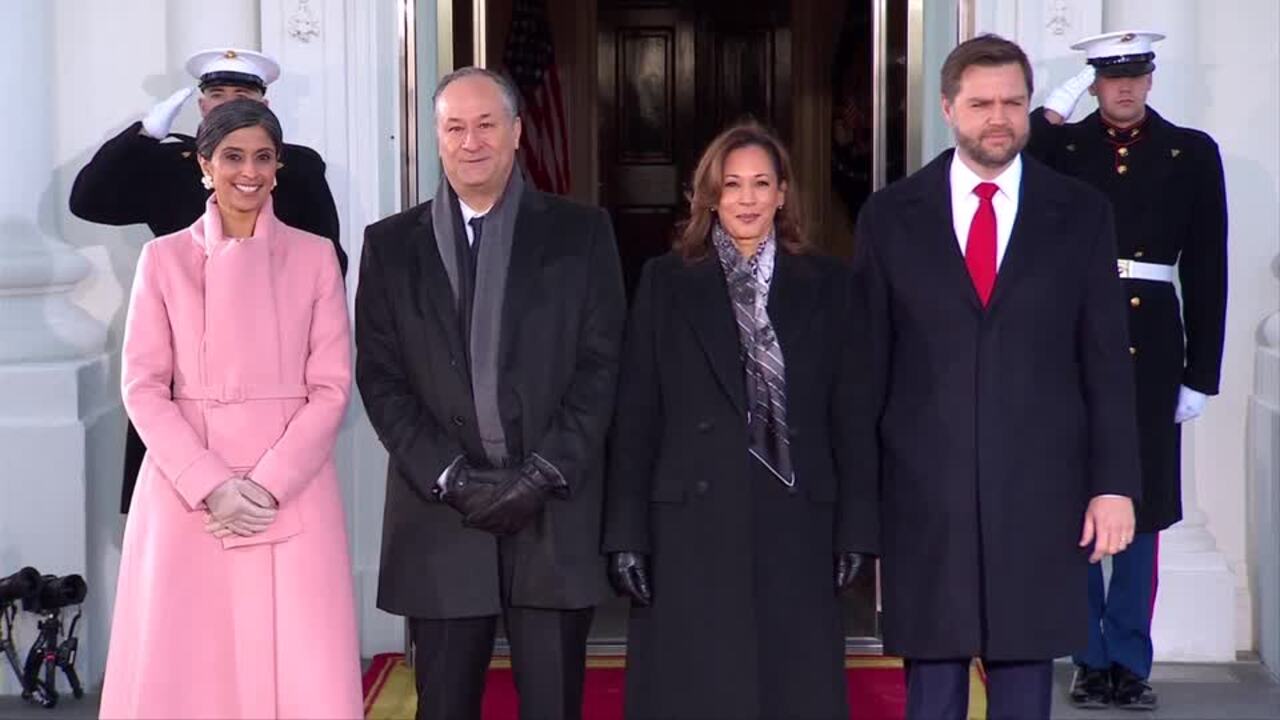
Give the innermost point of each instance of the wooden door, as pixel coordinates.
(672, 75)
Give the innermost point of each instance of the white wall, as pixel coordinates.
(1234, 94)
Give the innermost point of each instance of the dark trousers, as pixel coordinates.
(1120, 614)
(548, 660)
(939, 689)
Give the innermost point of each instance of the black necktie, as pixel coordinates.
(477, 230)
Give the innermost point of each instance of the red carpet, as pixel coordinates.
(876, 689)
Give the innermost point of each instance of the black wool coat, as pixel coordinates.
(1170, 207)
(993, 427)
(561, 334)
(745, 619)
(135, 179)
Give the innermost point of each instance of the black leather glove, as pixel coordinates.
(470, 489)
(847, 565)
(629, 576)
(516, 501)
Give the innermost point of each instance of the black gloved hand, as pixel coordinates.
(629, 576)
(516, 501)
(847, 565)
(469, 489)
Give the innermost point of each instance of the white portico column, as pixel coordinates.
(1195, 612)
(195, 25)
(53, 373)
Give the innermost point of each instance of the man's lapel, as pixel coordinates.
(528, 239)
(1038, 213)
(929, 216)
(434, 293)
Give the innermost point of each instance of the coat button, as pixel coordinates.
(1135, 301)
(705, 426)
(1122, 169)
(1123, 152)
(1137, 253)
(701, 487)
(458, 421)
(1133, 350)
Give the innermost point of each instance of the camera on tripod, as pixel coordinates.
(44, 595)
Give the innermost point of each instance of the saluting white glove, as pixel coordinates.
(1063, 99)
(1190, 404)
(159, 121)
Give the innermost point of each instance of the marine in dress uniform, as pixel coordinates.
(149, 175)
(1165, 183)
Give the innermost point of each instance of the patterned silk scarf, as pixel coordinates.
(749, 280)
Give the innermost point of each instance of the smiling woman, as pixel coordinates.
(239, 149)
(236, 373)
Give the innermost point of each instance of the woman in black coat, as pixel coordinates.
(729, 518)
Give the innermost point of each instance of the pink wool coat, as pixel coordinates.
(253, 337)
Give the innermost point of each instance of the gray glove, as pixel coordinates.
(159, 121)
(1063, 99)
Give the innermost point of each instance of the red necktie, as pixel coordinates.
(980, 251)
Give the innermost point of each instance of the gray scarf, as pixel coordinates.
(491, 288)
(749, 281)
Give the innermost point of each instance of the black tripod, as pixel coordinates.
(51, 653)
(10, 651)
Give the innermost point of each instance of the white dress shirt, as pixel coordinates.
(964, 203)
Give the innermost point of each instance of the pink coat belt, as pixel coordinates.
(232, 393)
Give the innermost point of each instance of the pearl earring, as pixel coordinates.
(207, 182)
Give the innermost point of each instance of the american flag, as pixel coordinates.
(530, 58)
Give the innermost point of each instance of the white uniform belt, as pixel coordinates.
(228, 393)
(1134, 270)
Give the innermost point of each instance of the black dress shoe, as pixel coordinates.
(1091, 688)
(1130, 691)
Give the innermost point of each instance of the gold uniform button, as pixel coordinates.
(1133, 350)
(1111, 132)
(1135, 301)
(1122, 169)
(1137, 253)
(1123, 152)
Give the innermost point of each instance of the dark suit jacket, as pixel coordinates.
(995, 426)
(562, 328)
(136, 179)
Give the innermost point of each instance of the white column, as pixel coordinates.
(1177, 56)
(1195, 614)
(339, 93)
(53, 374)
(1264, 487)
(195, 25)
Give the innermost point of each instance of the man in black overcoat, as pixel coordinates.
(1166, 187)
(488, 330)
(149, 175)
(997, 364)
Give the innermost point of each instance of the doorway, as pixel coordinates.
(647, 83)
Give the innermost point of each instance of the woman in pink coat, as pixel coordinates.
(235, 594)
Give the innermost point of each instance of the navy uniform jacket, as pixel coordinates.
(135, 179)
(1166, 187)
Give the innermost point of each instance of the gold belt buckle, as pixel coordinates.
(1124, 267)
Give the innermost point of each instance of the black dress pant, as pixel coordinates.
(548, 661)
(939, 689)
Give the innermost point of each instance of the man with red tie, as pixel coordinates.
(1000, 431)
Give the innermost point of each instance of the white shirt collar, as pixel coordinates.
(469, 212)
